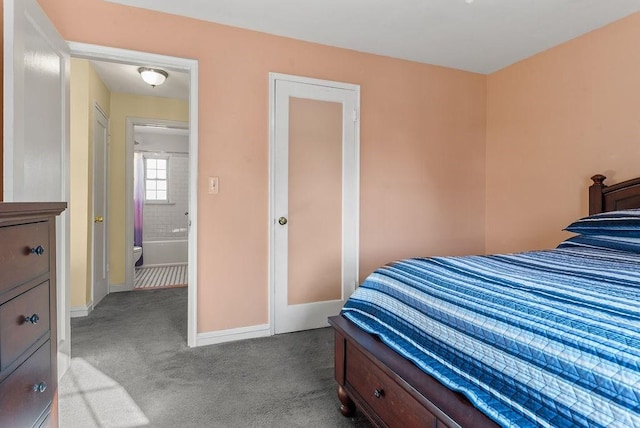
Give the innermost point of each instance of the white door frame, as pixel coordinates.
(103, 53)
(349, 242)
(99, 110)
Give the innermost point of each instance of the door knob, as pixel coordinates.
(282, 221)
(98, 219)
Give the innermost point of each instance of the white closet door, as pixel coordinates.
(36, 131)
(314, 200)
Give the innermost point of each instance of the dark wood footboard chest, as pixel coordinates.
(28, 342)
(390, 390)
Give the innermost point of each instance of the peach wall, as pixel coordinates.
(422, 146)
(553, 121)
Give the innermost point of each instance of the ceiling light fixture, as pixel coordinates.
(153, 76)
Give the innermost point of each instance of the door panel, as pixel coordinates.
(41, 74)
(35, 143)
(100, 218)
(314, 200)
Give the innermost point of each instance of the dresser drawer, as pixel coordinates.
(17, 333)
(48, 422)
(21, 401)
(385, 397)
(17, 263)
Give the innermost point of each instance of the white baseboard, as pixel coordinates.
(233, 334)
(117, 288)
(81, 311)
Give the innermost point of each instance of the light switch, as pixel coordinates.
(213, 185)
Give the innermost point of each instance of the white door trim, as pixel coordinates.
(351, 241)
(89, 51)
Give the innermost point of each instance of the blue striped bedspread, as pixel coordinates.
(545, 338)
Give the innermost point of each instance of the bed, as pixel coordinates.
(577, 372)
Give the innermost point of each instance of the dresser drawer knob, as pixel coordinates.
(33, 319)
(39, 387)
(38, 251)
(378, 393)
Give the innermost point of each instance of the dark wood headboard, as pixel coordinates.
(621, 196)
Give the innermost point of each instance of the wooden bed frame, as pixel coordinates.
(391, 391)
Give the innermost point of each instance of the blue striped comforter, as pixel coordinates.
(545, 338)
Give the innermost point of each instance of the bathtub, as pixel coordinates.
(171, 252)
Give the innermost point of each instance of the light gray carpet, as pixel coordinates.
(131, 368)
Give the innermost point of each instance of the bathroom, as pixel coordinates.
(161, 198)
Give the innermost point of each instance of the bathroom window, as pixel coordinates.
(156, 179)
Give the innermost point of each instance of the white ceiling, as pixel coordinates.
(161, 139)
(126, 79)
(482, 36)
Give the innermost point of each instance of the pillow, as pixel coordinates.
(612, 223)
(620, 243)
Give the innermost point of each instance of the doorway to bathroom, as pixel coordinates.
(156, 110)
(161, 203)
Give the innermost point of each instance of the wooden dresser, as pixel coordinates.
(28, 342)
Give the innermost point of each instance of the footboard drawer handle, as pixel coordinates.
(39, 387)
(33, 319)
(378, 393)
(38, 251)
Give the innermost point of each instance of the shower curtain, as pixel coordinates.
(138, 201)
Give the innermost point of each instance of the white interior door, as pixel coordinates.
(314, 200)
(100, 218)
(36, 131)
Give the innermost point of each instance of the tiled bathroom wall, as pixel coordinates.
(164, 222)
